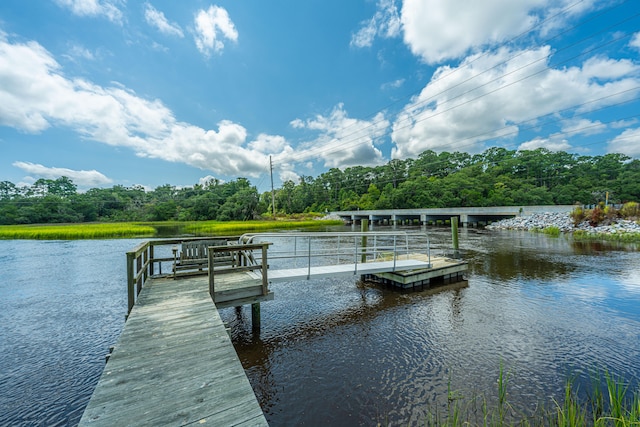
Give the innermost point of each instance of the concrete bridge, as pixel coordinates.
(466, 216)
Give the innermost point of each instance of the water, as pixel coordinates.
(339, 352)
(62, 306)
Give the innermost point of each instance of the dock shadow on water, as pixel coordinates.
(342, 352)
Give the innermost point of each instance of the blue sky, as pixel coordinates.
(117, 92)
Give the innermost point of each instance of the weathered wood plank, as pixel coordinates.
(174, 364)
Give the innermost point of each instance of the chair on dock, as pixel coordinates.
(193, 258)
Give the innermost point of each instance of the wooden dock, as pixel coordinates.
(174, 364)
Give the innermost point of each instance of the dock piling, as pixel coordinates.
(255, 316)
(454, 236)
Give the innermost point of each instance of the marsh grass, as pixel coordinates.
(611, 402)
(552, 231)
(75, 231)
(149, 229)
(230, 227)
(582, 235)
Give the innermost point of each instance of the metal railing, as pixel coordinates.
(310, 249)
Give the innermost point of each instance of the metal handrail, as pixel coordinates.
(347, 245)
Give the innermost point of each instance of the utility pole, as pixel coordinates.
(273, 195)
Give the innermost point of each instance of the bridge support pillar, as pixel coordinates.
(464, 219)
(255, 316)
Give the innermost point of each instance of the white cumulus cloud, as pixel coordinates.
(104, 8)
(342, 141)
(439, 30)
(81, 178)
(490, 95)
(628, 142)
(212, 27)
(635, 41)
(385, 23)
(551, 144)
(157, 19)
(37, 95)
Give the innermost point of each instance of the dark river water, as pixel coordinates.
(338, 351)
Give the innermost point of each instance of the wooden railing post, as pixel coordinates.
(139, 267)
(145, 259)
(151, 254)
(265, 265)
(212, 287)
(131, 298)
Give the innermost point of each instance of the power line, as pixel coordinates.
(352, 139)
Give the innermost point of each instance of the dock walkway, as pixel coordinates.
(335, 270)
(174, 364)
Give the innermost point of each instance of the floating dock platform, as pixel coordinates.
(442, 271)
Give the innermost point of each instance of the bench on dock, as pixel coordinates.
(193, 257)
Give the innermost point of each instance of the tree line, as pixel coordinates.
(496, 177)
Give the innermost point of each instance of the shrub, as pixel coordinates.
(552, 231)
(610, 212)
(577, 215)
(597, 216)
(630, 210)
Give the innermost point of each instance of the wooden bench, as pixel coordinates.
(193, 257)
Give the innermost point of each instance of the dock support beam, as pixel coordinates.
(255, 316)
(454, 236)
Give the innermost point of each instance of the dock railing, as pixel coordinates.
(307, 249)
(146, 261)
(304, 249)
(244, 260)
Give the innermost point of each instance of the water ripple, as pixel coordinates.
(339, 352)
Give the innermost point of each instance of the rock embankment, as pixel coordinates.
(564, 223)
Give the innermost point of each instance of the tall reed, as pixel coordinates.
(610, 403)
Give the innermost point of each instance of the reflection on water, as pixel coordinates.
(339, 351)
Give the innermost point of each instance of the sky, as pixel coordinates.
(124, 92)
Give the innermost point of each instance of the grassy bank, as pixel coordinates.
(582, 235)
(611, 402)
(75, 231)
(232, 227)
(148, 229)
